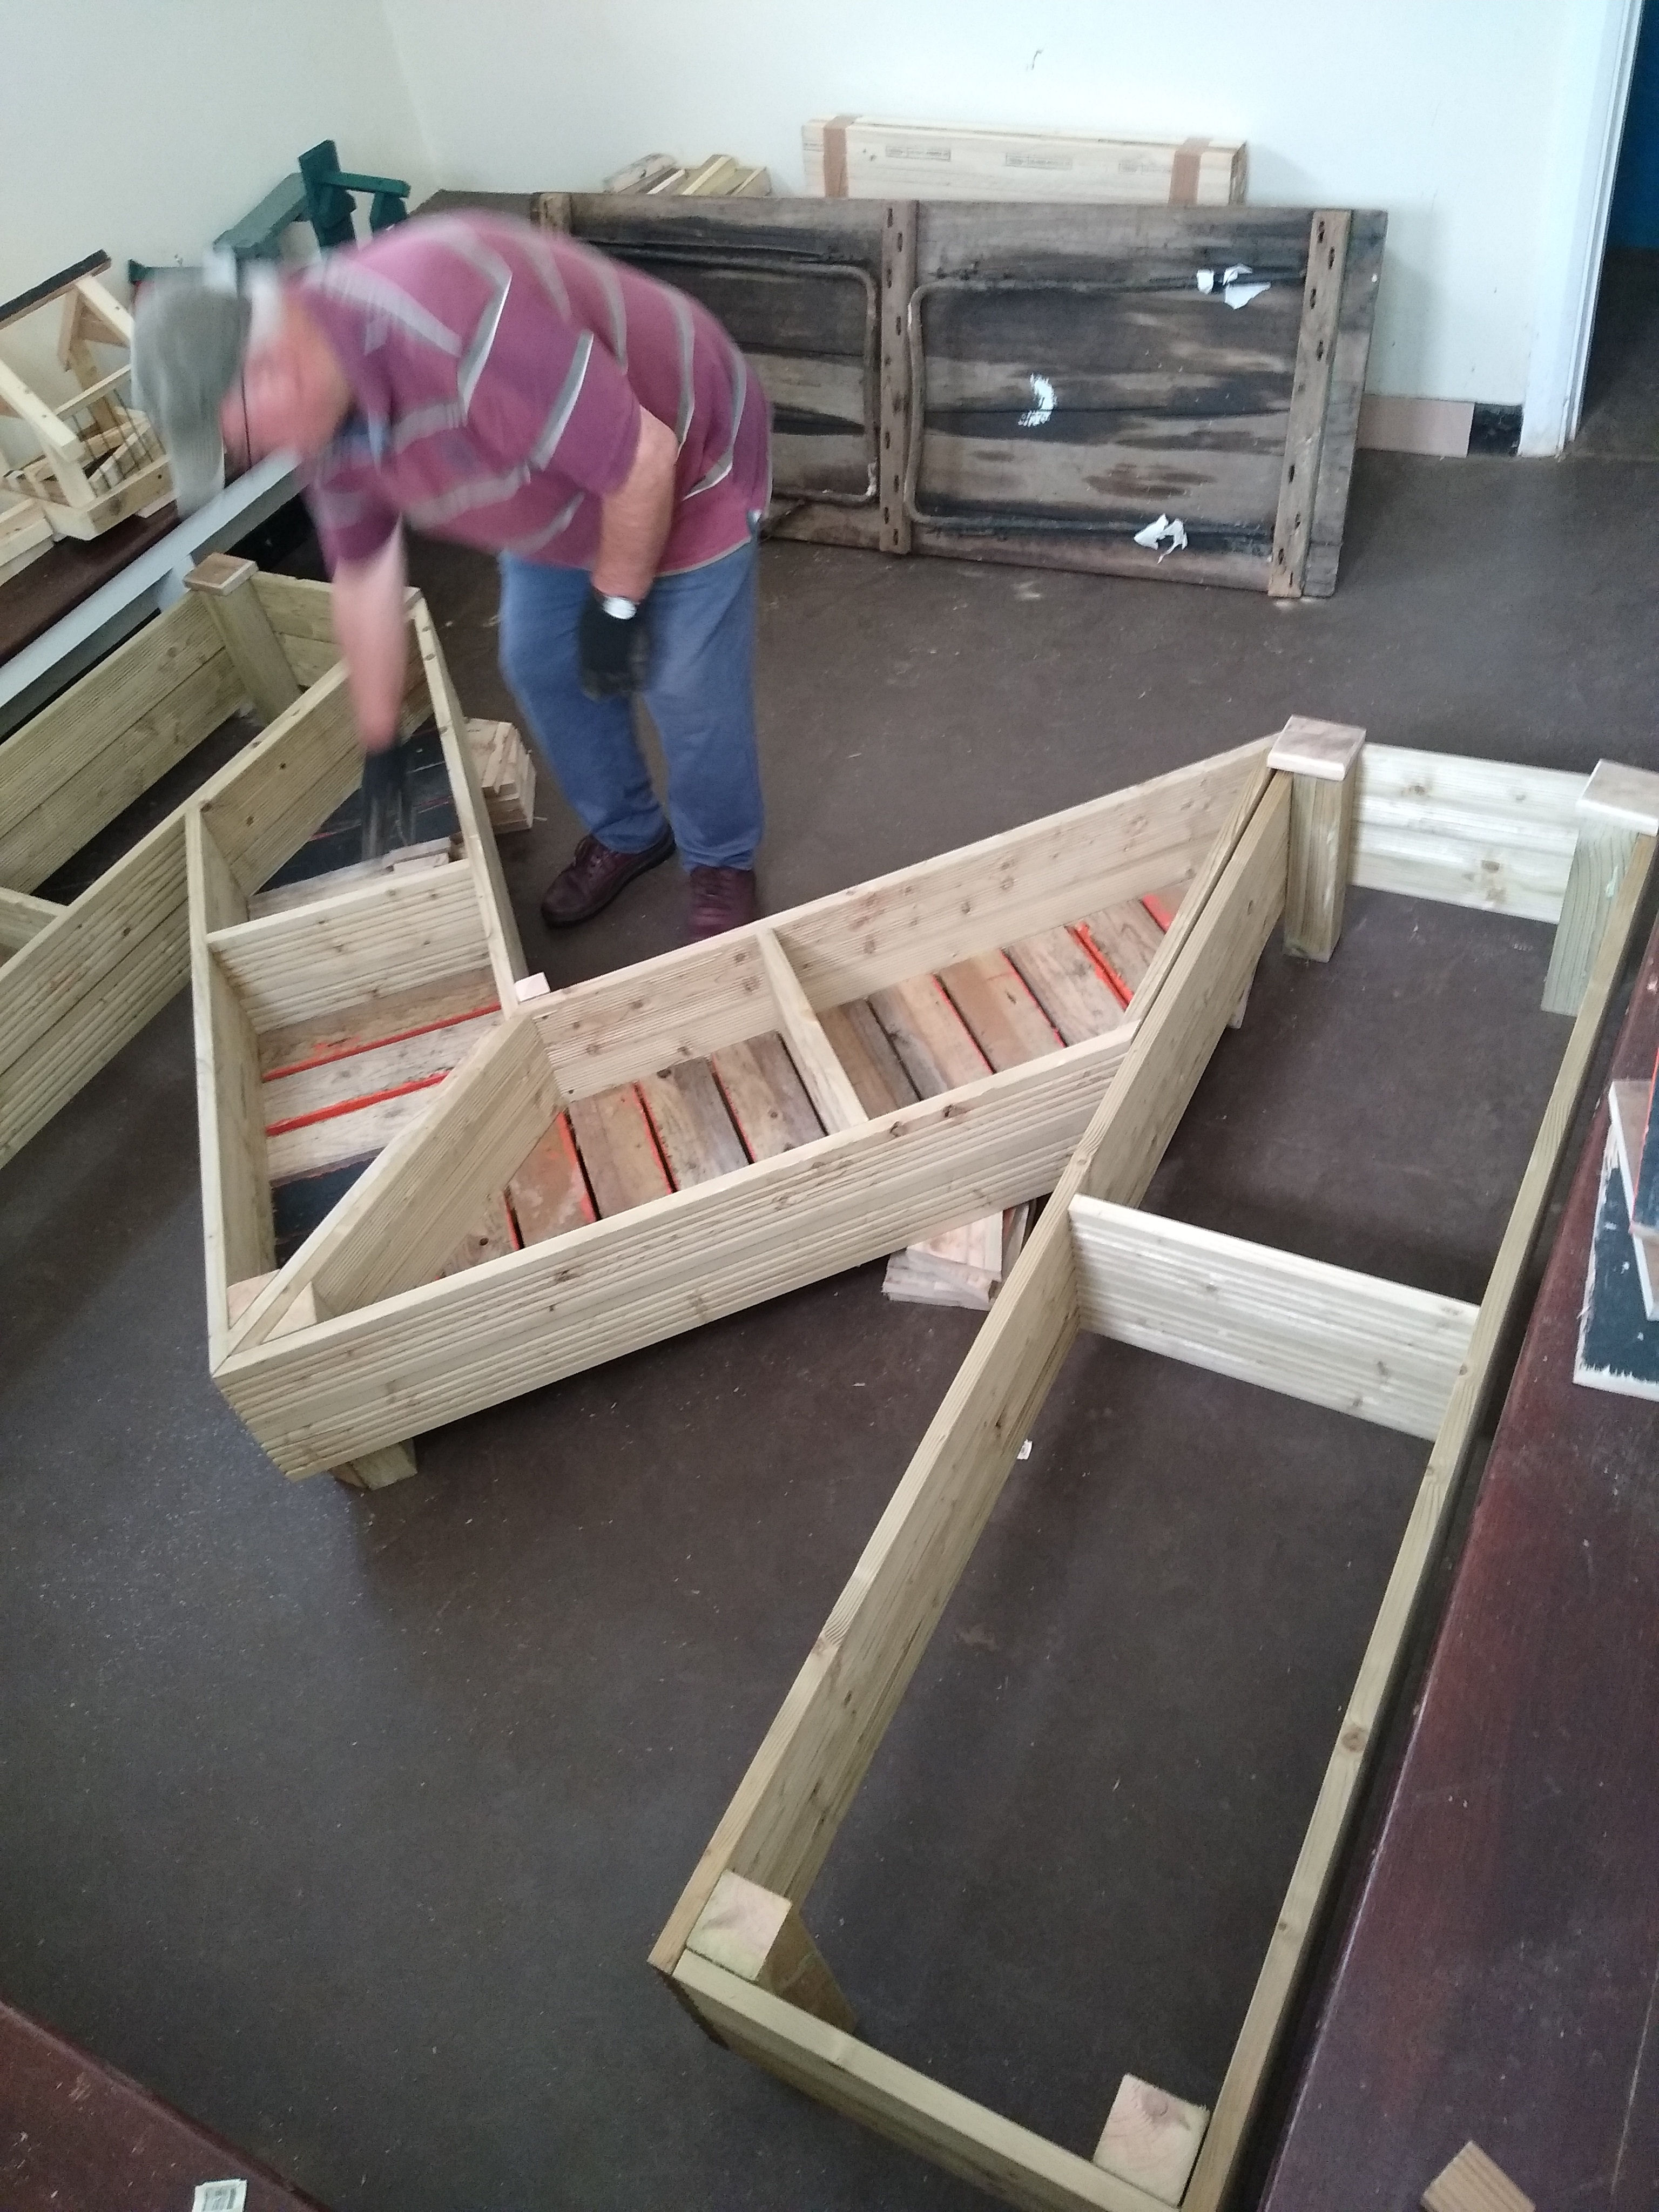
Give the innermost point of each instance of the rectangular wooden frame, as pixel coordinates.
(735, 1950)
(77, 981)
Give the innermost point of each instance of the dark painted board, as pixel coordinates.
(1617, 1345)
(847, 230)
(1366, 232)
(74, 2133)
(1159, 246)
(1496, 1980)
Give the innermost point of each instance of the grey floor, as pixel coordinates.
(346, 1822)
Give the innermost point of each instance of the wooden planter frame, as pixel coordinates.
(352, 1348)
(736, 1950)
(78, 981)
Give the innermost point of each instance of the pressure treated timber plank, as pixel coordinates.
(1001, 1015)
(618, 1150)
(1382, 1351)
(384, 1019)
(22, 918)
(90, 938)
(307, 962)
(693, 1128)
(225, 581)
(297, 607)
(767, 1098)
(656, 1270)
(834, 1097)
(291, 778)
(34, 843)
(928, 1035)
(866, 1051)
(506, 958)
(1321, 756)
(688, 1003)
(1447, 1459)
(310, 1123)
(548, 1192)
(64, 741)
(431, 853)
(489, 1237)
(1489, 834)
(1066, 985)
(1599, 861)
(396, 1225)
(235, 1188)
(1356, 315)
(789, 1805)
(91, 1028)
(1152, 2138)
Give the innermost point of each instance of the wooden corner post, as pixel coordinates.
(1322, 758)
(1618, 805)
(761, 1937)
(255, 650)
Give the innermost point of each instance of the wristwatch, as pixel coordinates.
(622, 610)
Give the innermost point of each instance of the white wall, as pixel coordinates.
(1446, 115)
(144, 127)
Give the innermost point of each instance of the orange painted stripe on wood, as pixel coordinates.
(371, 1044)
(351, 1105)
(1114, 981)
(1161, 914)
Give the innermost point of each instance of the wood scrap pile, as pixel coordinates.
(661, 176)
(506, 772)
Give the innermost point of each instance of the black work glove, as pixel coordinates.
(612, 650)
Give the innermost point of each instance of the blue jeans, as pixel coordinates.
(699, 690)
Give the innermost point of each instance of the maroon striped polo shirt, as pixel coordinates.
(499, 372)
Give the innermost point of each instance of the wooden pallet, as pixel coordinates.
(736, 1949)
(1038, 383)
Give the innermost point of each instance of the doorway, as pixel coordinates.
(1620, 418)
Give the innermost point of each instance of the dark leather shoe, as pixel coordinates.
(594, 877)
(721, 899)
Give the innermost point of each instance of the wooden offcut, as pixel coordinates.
(1152, 2138)
(1474, 2183)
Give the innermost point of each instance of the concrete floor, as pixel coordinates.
(346, 1822)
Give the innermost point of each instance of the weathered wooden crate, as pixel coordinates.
(79, 978)
(1002, 381)
(1578, 851)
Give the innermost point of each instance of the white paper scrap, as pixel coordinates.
(1240, 295)
(1239, 269)
(1025, 1449)
(1155, 533)
(1044, 394)
(219, 2197)
(1206, 280)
